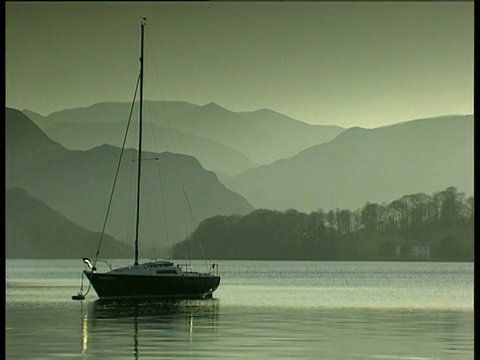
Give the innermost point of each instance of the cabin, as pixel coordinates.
(421, 252)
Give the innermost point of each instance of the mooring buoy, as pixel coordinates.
(78, 297)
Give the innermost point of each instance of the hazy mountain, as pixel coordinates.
(263, 136)
(216, 135)
(25, 142)
(78, 184)
(27, 146)
(213, 156)
(362, 165)
(107, 112)
(105, 123)
(287, 136)
(33, 230)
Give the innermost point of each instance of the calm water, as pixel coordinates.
(289, 310)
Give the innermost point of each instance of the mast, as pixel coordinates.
(139, 172)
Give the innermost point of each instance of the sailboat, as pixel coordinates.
(155, 279)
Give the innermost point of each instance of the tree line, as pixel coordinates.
(441, 222)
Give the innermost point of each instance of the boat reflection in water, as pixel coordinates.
(83, 331)
(116, 328)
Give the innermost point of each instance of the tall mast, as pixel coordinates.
(139, 145)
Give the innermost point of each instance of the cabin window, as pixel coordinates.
(166, 272)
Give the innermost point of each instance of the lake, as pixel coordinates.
(262, 310)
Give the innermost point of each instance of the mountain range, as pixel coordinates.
(78, 184)
(223, 141)
(360, 165)
(263, 159)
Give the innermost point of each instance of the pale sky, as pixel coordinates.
(345, 63)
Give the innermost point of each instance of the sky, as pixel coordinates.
(364, 64)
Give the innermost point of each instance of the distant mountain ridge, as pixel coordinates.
(293, 137)
(157, 138)
(30, 141)
(360, 165)
(356, 166)
(107, 112)
(78, 184)
(236, 140)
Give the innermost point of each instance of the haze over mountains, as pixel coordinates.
(302, 169)
(222, 140)
(78, 185)
(33, 230)
(361, 165)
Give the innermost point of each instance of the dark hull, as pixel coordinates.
(116, 286)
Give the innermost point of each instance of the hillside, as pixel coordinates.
(287, 136)
(440, 224)
(26, 143)
(157, 138)
(34, 230)
(263, 136)
(78, 184)
(363, 165)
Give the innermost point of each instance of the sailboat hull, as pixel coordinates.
(121, 286)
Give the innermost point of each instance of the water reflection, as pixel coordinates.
(84, 322)
(142, 326)
(340, 311)
(125, 331)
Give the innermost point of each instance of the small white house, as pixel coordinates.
(417, 251)
(420, 251)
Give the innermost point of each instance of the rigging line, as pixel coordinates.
(195, 231)
(185, 219)
(168, 127)
(116, 173)
(164, 107)
(164, 212)
(149, 227)
(131, 197)
(160, 180)
(150, 230)
(175, 151)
